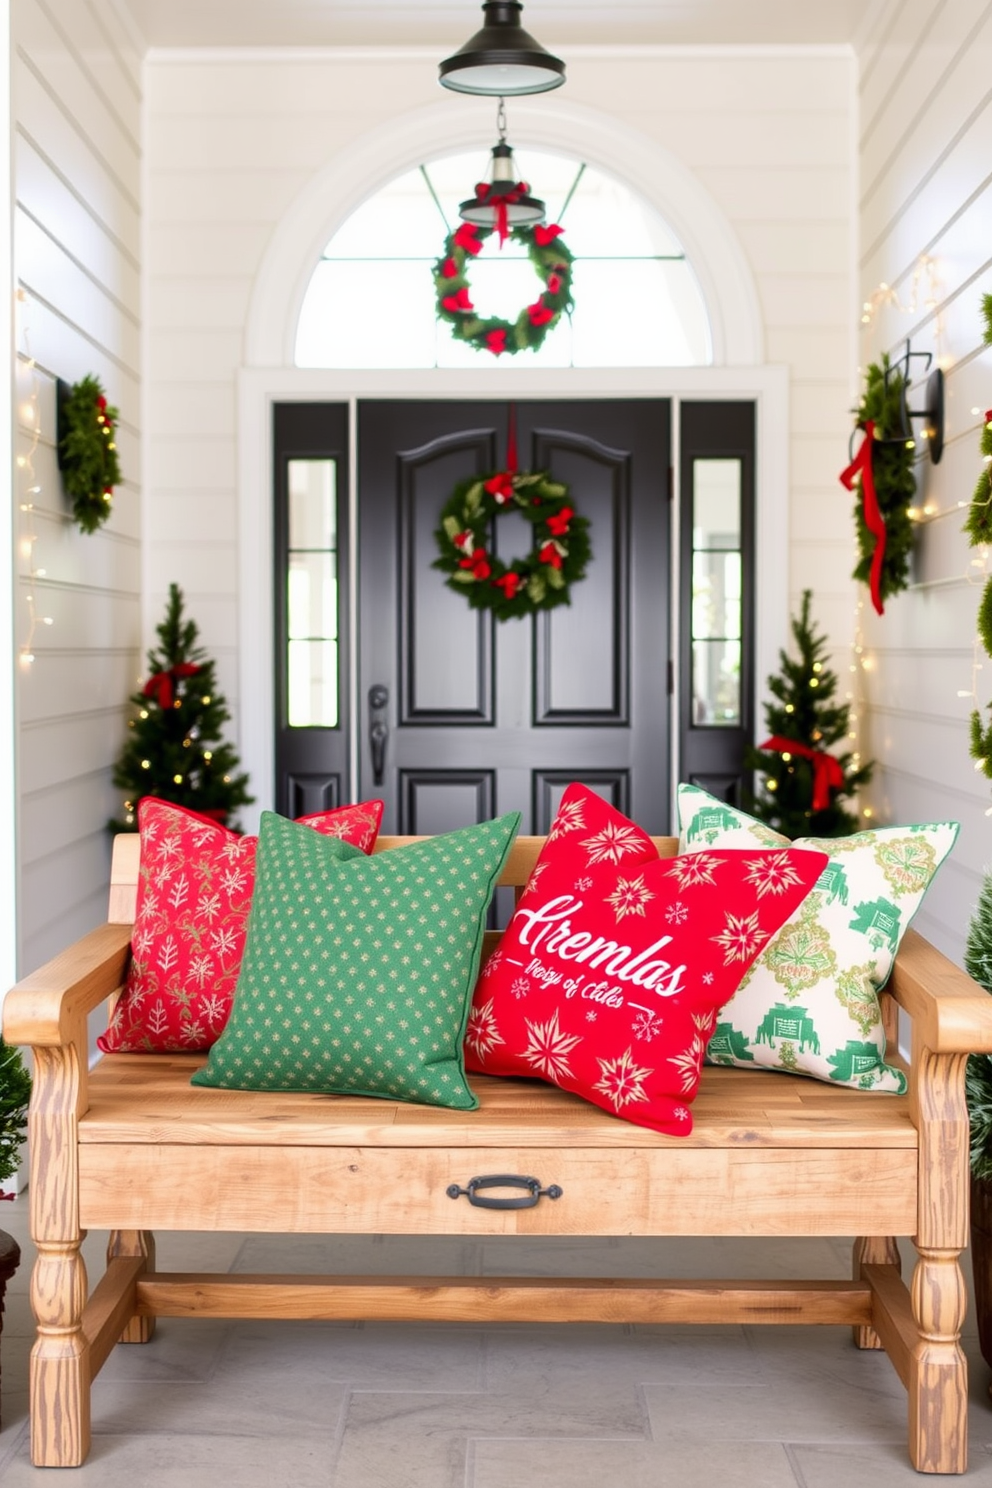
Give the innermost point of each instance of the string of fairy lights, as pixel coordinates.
(30, 418)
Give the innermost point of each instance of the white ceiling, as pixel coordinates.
(555, 23)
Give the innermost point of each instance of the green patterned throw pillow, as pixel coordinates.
(358, 971)
(809, 1004)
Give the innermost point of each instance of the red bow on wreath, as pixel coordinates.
(509, 583)
(160, 686)
(500, 204)
(874, 521)
(478, 562)
(827, 773)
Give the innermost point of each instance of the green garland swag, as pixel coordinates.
(542, 579)
(892, 459)
(87, 452)
(553, 265)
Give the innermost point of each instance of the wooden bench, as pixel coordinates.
(129, 1146)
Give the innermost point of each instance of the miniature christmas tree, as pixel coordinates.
(803, 784)
(174, 749)
(15, 1092)
(978, 1078)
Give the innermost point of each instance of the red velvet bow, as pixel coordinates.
(554, 283)
(500, 203)
(496, 341)
(550, 554)
(467, 237)
(988, 415)
(459, 301)
(449, 269)
(827, 773)
(509, 583)
(160, 685)
(501, 487)
(539, 313)
(558, 522)
(874, 521)
(478, 562)
(464, 540)
(545, 235)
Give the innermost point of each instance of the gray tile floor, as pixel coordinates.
(307, 1405)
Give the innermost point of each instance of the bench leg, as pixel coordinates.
(879, 1250)
(60, 1372)
(135, 1243)
(938, 1370)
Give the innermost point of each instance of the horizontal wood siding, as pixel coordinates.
(926, 188)
(231, 142)
(77, 228)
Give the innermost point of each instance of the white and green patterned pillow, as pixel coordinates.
(810, 1004)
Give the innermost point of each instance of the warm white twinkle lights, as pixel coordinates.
(30, 417)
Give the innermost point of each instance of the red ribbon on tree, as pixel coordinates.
(874, 521)
(827, 773)
(160, 686)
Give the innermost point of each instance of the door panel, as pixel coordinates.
(486, 717)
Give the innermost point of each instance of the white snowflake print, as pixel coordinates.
(772, 874)
(591, 1015)
(610, 845)
(680, 1113)
(568, 819)
(215, 1009)
(695, 868)
(171, 847)
(622, 1080)
(647, 1025)
(582, 884)
(688, 1063)
(741, 937)
(707, 979)
(705, 1023)
(142, 941)
(535, 877)
(549, 1048)
(210, 908)
(492, 964)
(200, 968)
(482, 1034)
(224, 942)
(234, 882)
(519, 987)
(629, 897)
(678, 913)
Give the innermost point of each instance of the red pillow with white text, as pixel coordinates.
(609, 977)
(195, 885)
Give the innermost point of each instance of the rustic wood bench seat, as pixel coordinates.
(130, 1146)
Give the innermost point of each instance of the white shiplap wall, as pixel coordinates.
(77, 83)
(233, 138)
(926, 188)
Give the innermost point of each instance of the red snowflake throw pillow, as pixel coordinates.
(609, 977)
(194, 893)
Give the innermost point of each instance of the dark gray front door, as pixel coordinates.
(462, 717)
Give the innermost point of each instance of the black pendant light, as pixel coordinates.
(503, 202)
(502, 60)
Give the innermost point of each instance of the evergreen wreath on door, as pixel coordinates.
(543, 577)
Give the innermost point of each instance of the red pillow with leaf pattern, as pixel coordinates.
(609, 977)
(194, 892)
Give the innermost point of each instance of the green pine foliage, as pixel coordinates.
(804, 709)
(895, 483)
(15, 1092)
(978, 526)
(88, 452)
(978, 1078)
(174, 748)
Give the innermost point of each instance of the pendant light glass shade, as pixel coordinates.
(504, 201)
(502, 60)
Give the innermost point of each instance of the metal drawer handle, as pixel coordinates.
(505, 1180)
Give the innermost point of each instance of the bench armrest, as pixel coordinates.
(46, 1009)
(950, 1012)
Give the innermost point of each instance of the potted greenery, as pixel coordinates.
(15, 1091)
(978, 964)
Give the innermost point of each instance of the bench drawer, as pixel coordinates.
(605, 1191)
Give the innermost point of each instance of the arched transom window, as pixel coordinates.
(370, 302)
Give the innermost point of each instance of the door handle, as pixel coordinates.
(378, 731)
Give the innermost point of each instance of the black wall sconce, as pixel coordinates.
(932, 412)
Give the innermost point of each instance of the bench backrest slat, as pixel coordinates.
(124, 871)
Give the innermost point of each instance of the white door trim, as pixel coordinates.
(259, 388)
